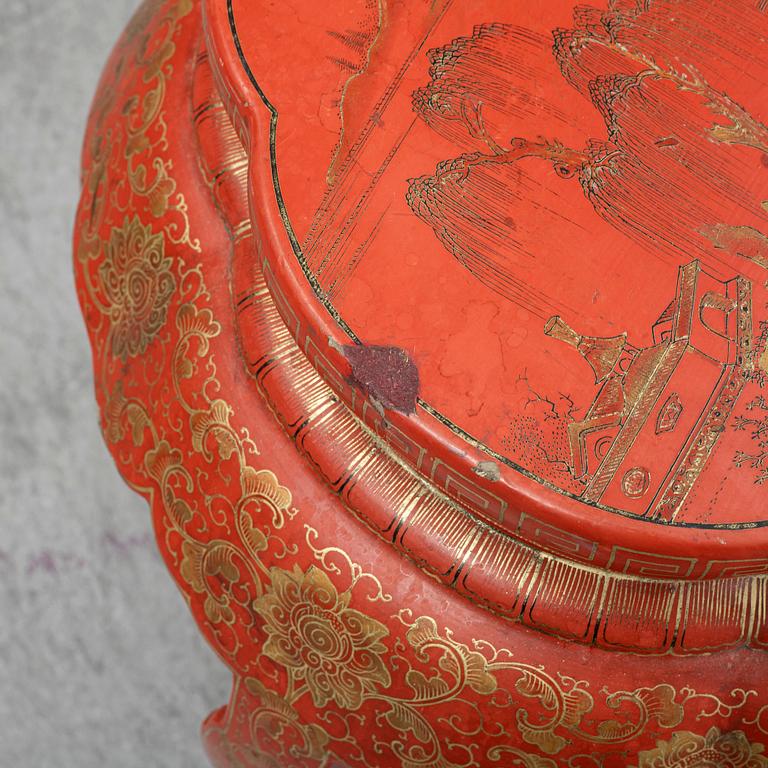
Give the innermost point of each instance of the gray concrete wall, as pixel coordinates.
(100, 663)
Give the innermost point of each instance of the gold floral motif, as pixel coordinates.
(138, 283)
(715, 750)
(312, 631)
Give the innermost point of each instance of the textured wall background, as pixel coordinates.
(100, 664)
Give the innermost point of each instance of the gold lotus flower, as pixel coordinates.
(138, 283)
(314, 633)
(715, 750)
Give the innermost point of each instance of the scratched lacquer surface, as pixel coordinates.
(436, 335)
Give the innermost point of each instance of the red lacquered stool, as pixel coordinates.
(435, 332)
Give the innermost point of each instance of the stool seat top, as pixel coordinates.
(528, 244)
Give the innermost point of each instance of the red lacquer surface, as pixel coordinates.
(435, 335)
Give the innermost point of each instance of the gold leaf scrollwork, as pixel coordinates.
(260, 493)
(568, 702)
(194, 325)
(466, 668)
(123, 414)
(274, 718)
(519, 759)
(656, 703)
(158, 190)
(202, 564)
(214, 422)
